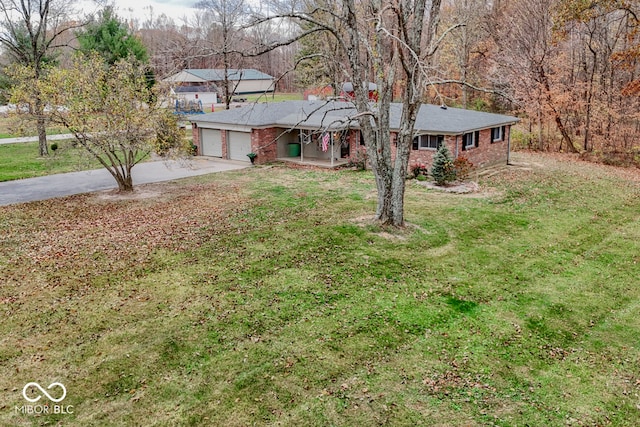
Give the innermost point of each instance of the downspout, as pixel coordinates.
(509, 147)
(456, 146)
(332, 147)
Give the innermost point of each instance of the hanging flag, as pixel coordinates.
(325, 142)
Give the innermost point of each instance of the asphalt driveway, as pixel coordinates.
(66, 184)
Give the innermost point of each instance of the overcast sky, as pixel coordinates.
(126, 9)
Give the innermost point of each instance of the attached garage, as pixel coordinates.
(211, 142)
(239, 145)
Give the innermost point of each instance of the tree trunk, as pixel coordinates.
(42, 137)
(41, 127)
(556, 115)
(125, 183)
(398, 185)
(121, 174)
(540, 138)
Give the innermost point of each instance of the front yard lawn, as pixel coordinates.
(21, 160)
(267, 297)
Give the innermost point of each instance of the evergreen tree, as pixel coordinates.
(113, 41)
(111, 38)
(443, 170)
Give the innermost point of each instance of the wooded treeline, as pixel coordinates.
(569, 68)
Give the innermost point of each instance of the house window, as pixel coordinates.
(470, 140)
(375, 135)
(497, 134)
(427, 142)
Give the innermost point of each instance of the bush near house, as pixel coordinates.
(443, 170)
(463, 168)
(419, 169)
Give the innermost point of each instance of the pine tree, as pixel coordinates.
(443, 170)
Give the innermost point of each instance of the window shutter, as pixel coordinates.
(504, 129)
(415, 142)
(440, 141)
(464, 142)
(477, 138)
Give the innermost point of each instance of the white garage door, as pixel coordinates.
(211, 143)
(239, 145)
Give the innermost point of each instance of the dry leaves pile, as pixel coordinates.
(88, 233)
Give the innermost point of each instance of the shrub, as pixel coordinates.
(170, 139)
(419, 169)
(54, 146)
(358, 160)
(443, 170)
(463, 168)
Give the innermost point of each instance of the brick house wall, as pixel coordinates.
(195, 134)
(225, 145)
(264, 144)
(425, 156)
(486, 153)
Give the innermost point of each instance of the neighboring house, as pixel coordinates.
(322, 131)
(346, 92)
(316, 93)
(205, 94)
(243, 81)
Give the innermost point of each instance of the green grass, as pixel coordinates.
(266, 297)
(275, 97)
(278, 97)
(21, 160)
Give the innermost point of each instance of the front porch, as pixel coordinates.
(317, 148)
(321, 163)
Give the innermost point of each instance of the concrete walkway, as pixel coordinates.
(58, 137)
(20, 139)
(66, 184)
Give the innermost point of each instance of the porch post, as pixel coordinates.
(332, 149)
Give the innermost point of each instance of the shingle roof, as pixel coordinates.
(192, 89)
(213, 74)
(335, 114)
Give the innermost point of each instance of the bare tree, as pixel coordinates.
(30, 31)
(225, 17)
(600, 43)
(383, 43)
(111, 111)
(529, 54)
